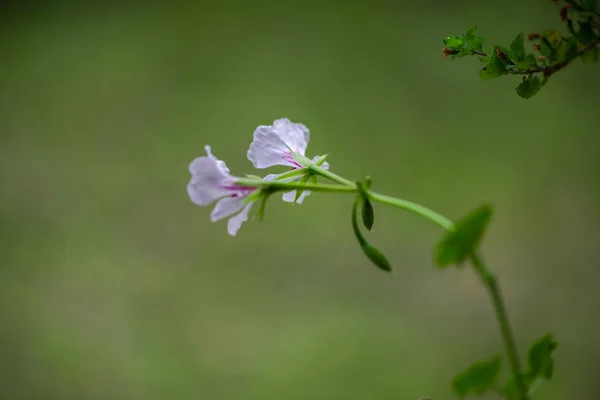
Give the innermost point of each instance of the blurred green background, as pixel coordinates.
(113, 285)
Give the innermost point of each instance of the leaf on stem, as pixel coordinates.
(540, 365)
(460, 243)
(370, 251)
(478, 379)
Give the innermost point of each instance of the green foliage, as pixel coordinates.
(370, 251)
(529, 87)
(517, 48)
(468, 43)
(552, 51)
(367, 212)
(591, 56)
(305, 179)
(478, 379)
(495, 67)
(540, 359)
(459, 244)
(540, 365)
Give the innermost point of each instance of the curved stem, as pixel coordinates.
(314, 169)
(491, 284)
(413, 207)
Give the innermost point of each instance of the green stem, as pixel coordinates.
(491, 284)
(413, 207)
(314, 169)
(277, 185)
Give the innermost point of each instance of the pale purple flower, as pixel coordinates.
(211, 181)
(273, 145)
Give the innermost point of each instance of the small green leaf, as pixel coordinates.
(478, 379)
(528, 62)
(260, 214)
(530, 86)
(591, 56)
(376, 257)
(367, 212)
(305, 179)
(370, 251)
(459, 244)
(454, 42)
(541, 365)
(517, 48)
(321, 160)
(493, 69)
(473, 41)
(540, 357)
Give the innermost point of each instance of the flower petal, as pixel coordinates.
(289, 197)
(235, 222)
(210, 177)
(296, 136)
(268, 149)
(226, 207)
(272, 144)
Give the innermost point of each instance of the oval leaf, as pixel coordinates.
(459, 244)
(478, 379)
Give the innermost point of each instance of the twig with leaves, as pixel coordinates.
(552, 51)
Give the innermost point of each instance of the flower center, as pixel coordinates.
(289, 158)
(238, 191)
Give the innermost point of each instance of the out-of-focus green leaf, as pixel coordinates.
(478, 379)
(460, 243)
(517, 48)
(530, 86)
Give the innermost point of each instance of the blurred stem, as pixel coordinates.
(491, 283)
(277, 185)
(413, 207)
(392, 201)
(316, 170)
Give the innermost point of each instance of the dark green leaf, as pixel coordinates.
(494, 68)
(473, 41)
(591, 56)
(478, 379)
(530, 86)
(585, 34)
(377, 257)
(459, 244)
(517, 48)
(540, 357)
(590, 5)
(367, 213)
(370, 251)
